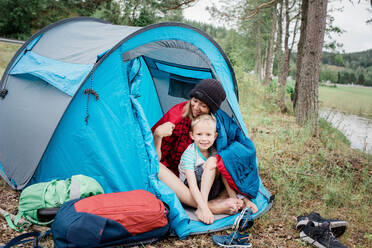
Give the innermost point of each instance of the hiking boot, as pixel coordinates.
(338, 227)
(234, 239)
(320, 236)
(244, 221)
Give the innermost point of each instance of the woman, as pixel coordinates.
(171, 133)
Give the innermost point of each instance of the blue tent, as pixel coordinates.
(80, 97)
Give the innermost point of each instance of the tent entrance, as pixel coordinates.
(175, 66)
(173, 82)
(165, 84)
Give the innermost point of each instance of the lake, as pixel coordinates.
(358, 130)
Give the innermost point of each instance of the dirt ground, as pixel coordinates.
(278, 234)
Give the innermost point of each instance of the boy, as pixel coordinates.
(198, 170)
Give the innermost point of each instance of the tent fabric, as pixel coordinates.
(64, 76)
(200, 74)
(178, 49)
(137, 75)
(98, 37)
(29, 114)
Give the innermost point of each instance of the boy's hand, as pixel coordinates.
(164, 130)
(211, 163)
(205, 215)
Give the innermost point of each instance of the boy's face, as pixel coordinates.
(204, 134)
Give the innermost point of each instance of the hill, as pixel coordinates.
(350, 60)
(348, 68)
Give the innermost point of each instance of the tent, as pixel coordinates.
(80, 97)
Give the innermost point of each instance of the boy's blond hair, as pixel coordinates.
(203, 117)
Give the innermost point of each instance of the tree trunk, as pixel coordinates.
(278, 46)
(270, 49)
(284, 68)
(258, 66)
(313, 22)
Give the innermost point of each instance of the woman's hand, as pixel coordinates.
(164, 130)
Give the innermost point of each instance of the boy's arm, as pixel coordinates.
(206, 215)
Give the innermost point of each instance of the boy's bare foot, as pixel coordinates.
(250, 205)
(205, 216)
(228, 206)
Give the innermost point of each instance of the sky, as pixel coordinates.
(357, 36)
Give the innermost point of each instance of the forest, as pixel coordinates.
(349, 68)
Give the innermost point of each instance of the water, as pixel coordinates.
(357, 130)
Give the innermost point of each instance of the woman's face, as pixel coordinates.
(198, 107)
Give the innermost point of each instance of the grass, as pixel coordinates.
(351, 100)
(7, 50)
(306, 173)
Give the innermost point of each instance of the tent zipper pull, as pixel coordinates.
(3, 93)
(88, 92)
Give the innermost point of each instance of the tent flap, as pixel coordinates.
(64, 76)
(191, 73)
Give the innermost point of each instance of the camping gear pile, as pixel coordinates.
(86, 105)
(39, 203)
(94, 220)
(321, 232)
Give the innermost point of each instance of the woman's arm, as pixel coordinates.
(231, 193)
(157, 143)
(164, 130)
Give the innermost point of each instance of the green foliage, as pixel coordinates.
(233, 43)
(333, 59)
(141, 13)
(326, 74)
(360, 76)
(350, 60)
(21, 18)
(290, 86)
(16, 16)
(353, 68)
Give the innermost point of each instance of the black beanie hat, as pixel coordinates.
(210, 92)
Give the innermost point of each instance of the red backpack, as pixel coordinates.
(133, 217)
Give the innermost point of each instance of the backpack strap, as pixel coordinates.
(16, 225)
(74, 189)
(24, 238)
